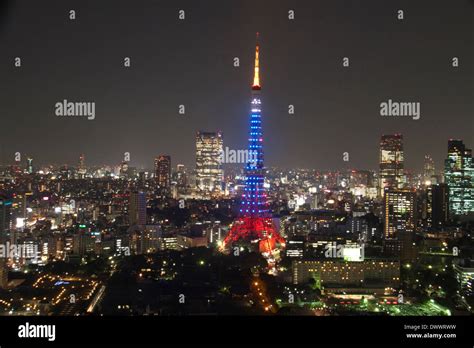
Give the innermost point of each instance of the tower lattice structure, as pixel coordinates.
(255, 222)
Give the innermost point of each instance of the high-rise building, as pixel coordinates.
(209, 172)
(391, 174)
(123, 169)
(163, 172)
(399, 212)
(144, 239)
(428, 169)
(137, 208)
(3, 274)
(181, 177)
(403, 247)
(438, 202)
(81, 168)
(29, 165)
(142, 179)
(464, 272)
(459, 176)
(5, 217)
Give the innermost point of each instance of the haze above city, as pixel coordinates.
(190, 62)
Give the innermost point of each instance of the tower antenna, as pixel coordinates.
(256, 75)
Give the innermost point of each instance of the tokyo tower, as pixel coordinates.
(255, 222)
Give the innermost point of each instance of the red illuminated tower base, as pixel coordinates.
(255, 229)
(255, 223)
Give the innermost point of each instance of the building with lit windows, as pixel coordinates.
(464, 271)
(399, 212)
(209, 172)
(181, 176)
(163, 172)
(3, 274)
(137, 208)
(295, 247)
(29, 165)
(459, 176)
(5, 218)
(391, 174)
(144, 239)
(169, 242)
(81, 167)
(337, 272)
(428, 169)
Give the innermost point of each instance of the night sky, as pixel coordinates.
(190, 62)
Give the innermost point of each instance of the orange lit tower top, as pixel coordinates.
(256, 75)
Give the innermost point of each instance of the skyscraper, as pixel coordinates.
(459, 176)
(137, 208)
(29, 165)
(163, 172)
(255, 222)
(391, 174)
(209, 173)
(428, 169)
(399, 212)
(181, 176)
(3, 274)
(5, 218)
(81, 168)
(439, 204)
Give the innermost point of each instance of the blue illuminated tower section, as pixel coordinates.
(254, 202)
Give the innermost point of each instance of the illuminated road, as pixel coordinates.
(96, 299)
(260, 293)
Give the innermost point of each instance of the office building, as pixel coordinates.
(137, 208)
(209, 172)
(399, 212)
(391, 174)
(438, 201)
(337, 272)
(459, 176)
(163, 172)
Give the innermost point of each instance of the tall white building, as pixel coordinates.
(209, 172)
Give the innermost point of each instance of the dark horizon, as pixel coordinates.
(190, 62)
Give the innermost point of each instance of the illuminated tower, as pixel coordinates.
(254, 202)
(255, 222)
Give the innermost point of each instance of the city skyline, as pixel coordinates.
(342, 206)
(30, 163)
(138, 109)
